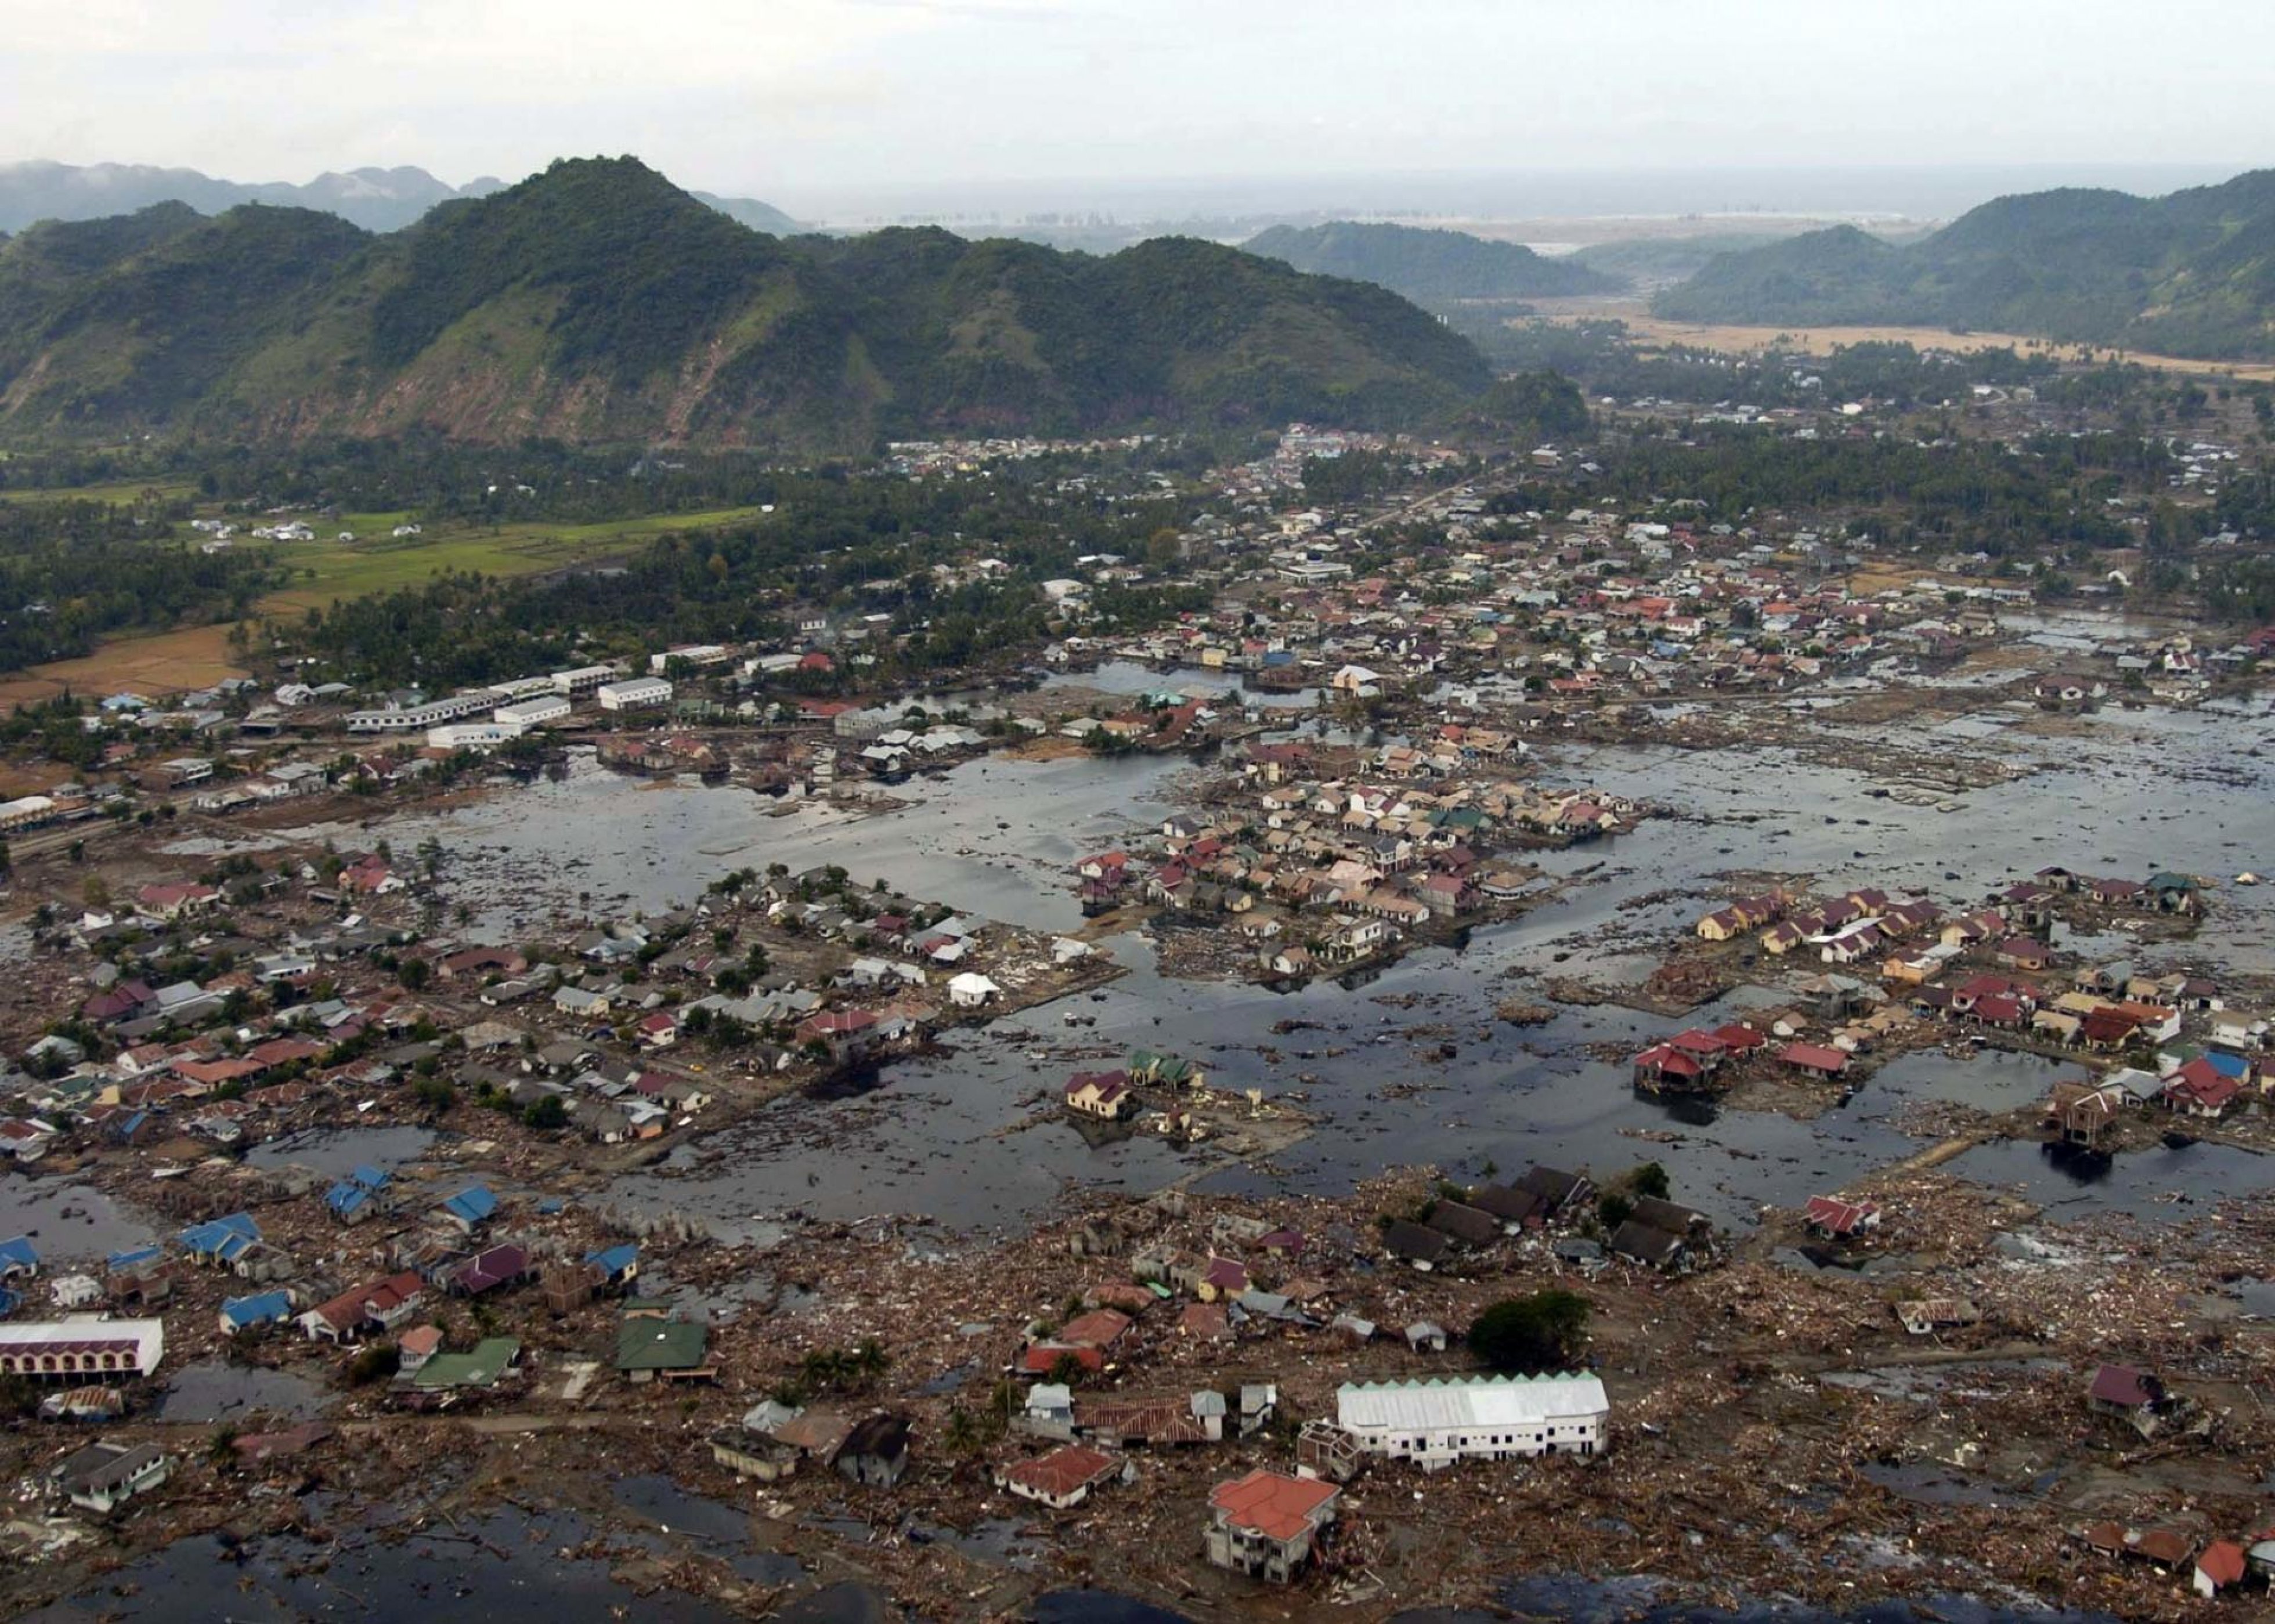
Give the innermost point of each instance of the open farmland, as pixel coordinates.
(1648, 329)
(334, 570)
(164, 662)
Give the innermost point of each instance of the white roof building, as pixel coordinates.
(1488, 1418)
(82, 1345)
(637, 693)
(519, 717)
(971, 989)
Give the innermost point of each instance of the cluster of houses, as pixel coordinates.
(1321, 871)
(1987, 970)
(2140, 1399)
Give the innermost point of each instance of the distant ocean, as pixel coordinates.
(1913, 193)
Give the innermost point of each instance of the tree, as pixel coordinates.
(413, 973)
(547, 1115)
(1537, 1332)
(1648, 1179)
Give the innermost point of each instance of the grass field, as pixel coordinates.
(1650, 330)
(162, 663)
(378, 562)
(330, 570)
(123, 491)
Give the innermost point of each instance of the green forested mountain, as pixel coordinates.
(597, 302)
(2189, 274)
(1427, 265)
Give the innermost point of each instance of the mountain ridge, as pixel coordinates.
(2189, 273)
(595, 301)
(1427, 264)
(376, 199)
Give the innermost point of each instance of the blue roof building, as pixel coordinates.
(356, 1197)
(266, 1308)
(18, 1258)
(222, 1240)
(472, 1207)
(618, 1263)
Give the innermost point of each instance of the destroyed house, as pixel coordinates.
(1415, 1243)
(876, 1452)
(1467, 1224)
(1837, 1219)
(1559, 1192)
(491, 1270)
(1507, 1203)
(1643, 1243)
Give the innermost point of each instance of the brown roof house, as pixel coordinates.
(1265, 1524)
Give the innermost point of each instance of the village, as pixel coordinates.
(1316, 870)
(412, 1165)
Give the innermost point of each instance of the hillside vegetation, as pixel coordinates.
(597, 302)
(1429, 265)
(2191, 274)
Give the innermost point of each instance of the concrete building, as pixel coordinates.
(418, 718)
(582, 680)
(524, 714)
(468, 735)
(25, 813)
(1263, 1524)
(1481, 1418)
(82, 1347)
(638, 694)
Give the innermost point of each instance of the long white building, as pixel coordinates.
(638, 694)
(83, 1347)
(525, 714)
(582, 680)
(1477, 1417)
(418, 718)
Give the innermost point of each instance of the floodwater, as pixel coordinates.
(995, 837)
(2160, 1180)
(967, 1137)
(436, 1575)
(1638, 1598)
(213, 1391)
(712, 1526)
(333, 1152)
(1124, 676)
(68, 1222)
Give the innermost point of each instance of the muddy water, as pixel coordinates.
(1123, 677)
(214, 1391)
(993, 838)
(432, 1576)
(68, 1223)
(2130, 793)
(333, 1152)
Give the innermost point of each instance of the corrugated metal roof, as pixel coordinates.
(1475, 1402)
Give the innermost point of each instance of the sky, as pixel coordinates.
(830, 105)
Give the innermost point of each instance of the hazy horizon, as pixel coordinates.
(1890, 192)
(836, 106)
